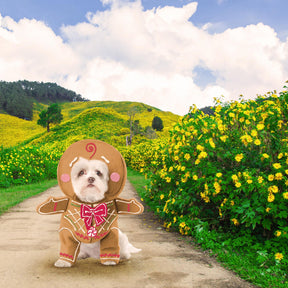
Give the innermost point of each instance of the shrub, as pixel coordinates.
(27, 165)
(228, 170)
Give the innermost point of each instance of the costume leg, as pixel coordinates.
(69, 248)
(109, 248)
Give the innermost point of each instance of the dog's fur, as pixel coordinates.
(90, 182)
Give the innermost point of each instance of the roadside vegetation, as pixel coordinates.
(223, 179)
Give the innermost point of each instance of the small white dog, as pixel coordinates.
(90, 182)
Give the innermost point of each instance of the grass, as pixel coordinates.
(12, 196)
(137, 180)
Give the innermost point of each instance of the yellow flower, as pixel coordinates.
(168, 225)
(232, 203)
(254, 133)
(257, 142)
(235, 222)
(239, 157)
(195, 177)
(203, 154)
(176, 158)
(273, 189)
(268, 209)
(260, 179)
(260, 126)
(183, 180)
(170, 169)
(168, 179)
(271, 177)
(161, 196)
(280, 155)
(223, 138)
(200, 148)
(271, 197)
(285, 195)
(182, 224)
(187, 156)
(265, 155)
(197, 162)
(278, 176)
(249, 181)
(234, 177)
(279, 256)
(238, 184)
(277, 165)
(212, 144)
(278, 233)
(219, 175)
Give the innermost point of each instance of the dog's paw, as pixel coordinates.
(62, 264)
(109, 263)
(82, 256)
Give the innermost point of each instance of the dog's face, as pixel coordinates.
(90, 179)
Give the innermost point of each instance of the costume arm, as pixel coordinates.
(53, 206)
(131, 206)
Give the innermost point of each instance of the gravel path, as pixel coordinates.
(29, 247)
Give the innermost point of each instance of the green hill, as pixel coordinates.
(105, 120)
(103, 124)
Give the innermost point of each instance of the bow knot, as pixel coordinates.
(99, 212)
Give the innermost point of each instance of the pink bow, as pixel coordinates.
(98, 212)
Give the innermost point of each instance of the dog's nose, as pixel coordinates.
(91, 179)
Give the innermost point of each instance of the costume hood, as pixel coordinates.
(93, 150)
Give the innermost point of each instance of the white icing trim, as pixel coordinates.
(105, 159)
(73, 161)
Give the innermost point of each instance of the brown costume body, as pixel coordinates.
(90, 222)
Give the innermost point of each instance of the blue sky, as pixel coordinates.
(149, 51)
(224, 13)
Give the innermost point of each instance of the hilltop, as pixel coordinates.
(18, 98)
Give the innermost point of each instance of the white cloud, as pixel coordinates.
(126, 53)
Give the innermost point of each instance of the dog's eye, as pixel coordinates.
(99, 173)
(81, 173)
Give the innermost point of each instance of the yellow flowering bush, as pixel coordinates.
(229, 169)
(25, 165)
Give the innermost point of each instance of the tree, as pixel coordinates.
(131, 113)
(50, 116)
(150, 133)
(157, 123)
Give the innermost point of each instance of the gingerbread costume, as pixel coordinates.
(90, 222)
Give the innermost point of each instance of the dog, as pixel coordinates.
(90, 182)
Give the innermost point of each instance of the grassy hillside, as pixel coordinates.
(145, 113)
(99, 123)
(105, 120)
(14, 130)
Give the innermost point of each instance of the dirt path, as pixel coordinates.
(29, 247)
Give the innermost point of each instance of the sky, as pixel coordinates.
(170, 54)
